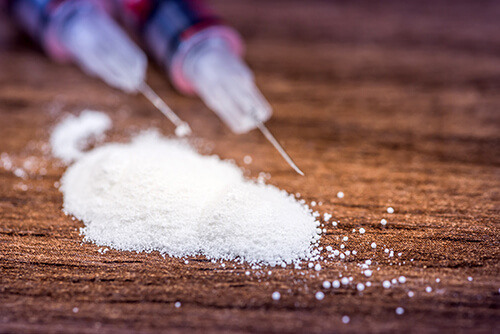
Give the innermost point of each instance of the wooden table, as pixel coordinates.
(394, 103)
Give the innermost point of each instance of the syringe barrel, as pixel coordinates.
(81, 31)
(168, 29)
(202, 56)
(37, 18)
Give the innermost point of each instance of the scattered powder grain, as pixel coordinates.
(276, 295)
(320, 295)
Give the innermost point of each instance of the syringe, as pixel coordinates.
(203, 57)
(81, 31)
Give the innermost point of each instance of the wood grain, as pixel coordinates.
(395, 103)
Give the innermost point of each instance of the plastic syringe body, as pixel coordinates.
(202, 55)
(81, 31)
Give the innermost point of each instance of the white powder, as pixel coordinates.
(320, 295)
(276, 295)
(70, 136)
(160, 194)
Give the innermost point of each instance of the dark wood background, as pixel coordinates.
(395, 103)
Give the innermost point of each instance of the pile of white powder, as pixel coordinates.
(158, 194)
(70, 137)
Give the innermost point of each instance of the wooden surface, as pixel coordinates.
(395, 104)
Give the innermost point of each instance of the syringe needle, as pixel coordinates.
(265, 131)
(181, 128)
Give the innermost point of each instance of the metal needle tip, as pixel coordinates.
(181, 128)
(265, 131)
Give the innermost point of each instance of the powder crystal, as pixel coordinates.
(320, 295)
(276, 295)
